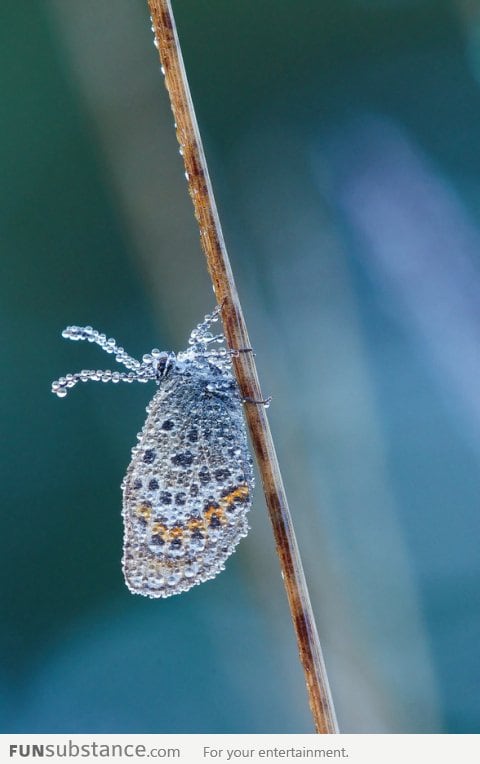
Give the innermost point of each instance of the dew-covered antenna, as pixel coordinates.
(152, 367)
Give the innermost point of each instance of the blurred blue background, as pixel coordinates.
(342, 138)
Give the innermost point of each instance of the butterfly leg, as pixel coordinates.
(235, 352)
(266, 402)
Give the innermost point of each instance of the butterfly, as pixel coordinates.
(189, 484)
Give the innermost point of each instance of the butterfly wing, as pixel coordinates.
(188, 487)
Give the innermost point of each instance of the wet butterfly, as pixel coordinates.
(189, 484)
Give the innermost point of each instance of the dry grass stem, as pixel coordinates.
(213, 244)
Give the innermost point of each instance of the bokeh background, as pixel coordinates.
(343, 143)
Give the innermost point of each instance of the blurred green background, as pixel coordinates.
(342, 138)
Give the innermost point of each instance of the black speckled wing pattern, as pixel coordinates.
(188, 487)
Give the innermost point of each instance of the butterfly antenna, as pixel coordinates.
(138, 372)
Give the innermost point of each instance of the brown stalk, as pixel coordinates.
(213, 245)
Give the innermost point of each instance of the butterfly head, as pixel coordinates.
(159, 363)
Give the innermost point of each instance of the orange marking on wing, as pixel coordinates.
(241, 492)
(144, 511)
(159, 530)
(214, 511)
(195, 524)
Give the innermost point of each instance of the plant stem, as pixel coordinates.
(213, 245)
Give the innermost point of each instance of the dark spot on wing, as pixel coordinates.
(149, 456)
(204, 475)
(183, 459)
(221, 474)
